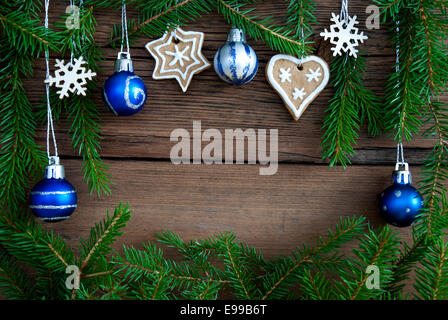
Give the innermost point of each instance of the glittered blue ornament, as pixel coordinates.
(53, 198)
(124, 92)
(236, 62)
(400, 203)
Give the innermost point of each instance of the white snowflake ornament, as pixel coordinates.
(344, 35)
(70, 77)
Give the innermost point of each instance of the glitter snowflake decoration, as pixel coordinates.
(344, 35)
(70, 77)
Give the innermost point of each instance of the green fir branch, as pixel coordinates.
(314, 285)
(378, 249)
(301, 18)
(156, 17)
(82, 111)
(21, 41)
(103, 235)
(15, 283)
(351, 105)
(278, 38)
(285, 270)
(432, 275)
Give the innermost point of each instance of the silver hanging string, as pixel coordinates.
(344, 10)
(397, 48)
(81, 3)
(344, 16)
(173, 33)
(124, 28)
(72, 6)
(302, 41)
(400, 151)
(50, 127)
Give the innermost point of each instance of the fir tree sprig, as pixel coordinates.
(351, 105)
(277, 37)
(95, 250)
(283, 272)
(404, 103)
(155, 17)
(301, 18)
(414, 95)
(21, 41)
(432, 275)
(14, 281)
(82, 112)
(155, 20)
(377, 249)
(414, 98)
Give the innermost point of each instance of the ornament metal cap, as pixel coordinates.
(54, 170)
(400, 175)
(124, 62)
(236, 35)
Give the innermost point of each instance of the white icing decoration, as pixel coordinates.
(299, 93)
(285, 75)
(179, 56)
(313, 75)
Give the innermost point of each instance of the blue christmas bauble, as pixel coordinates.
(124, 93)
(53, 198)
(400, 203)
(236, 62)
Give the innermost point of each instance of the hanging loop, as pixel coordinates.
(344, 10)
(400, 153)
(344, 16)
(124, 28)
(176, 12)
(50, 127)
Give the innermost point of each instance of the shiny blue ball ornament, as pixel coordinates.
(124, 92)
(236, 62)
(400, 203)
(53, 198)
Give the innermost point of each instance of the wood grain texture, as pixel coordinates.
(220, 106)
(273, 213)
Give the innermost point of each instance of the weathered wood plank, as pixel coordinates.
(273, 213)
(217, 105)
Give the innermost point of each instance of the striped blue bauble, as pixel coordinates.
(236, 62)
(53, 198)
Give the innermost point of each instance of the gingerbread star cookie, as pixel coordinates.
(297, 81)
(178, 56)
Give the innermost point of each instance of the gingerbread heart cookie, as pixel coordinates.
(297, 81)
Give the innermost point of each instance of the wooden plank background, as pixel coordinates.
(273, 213)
